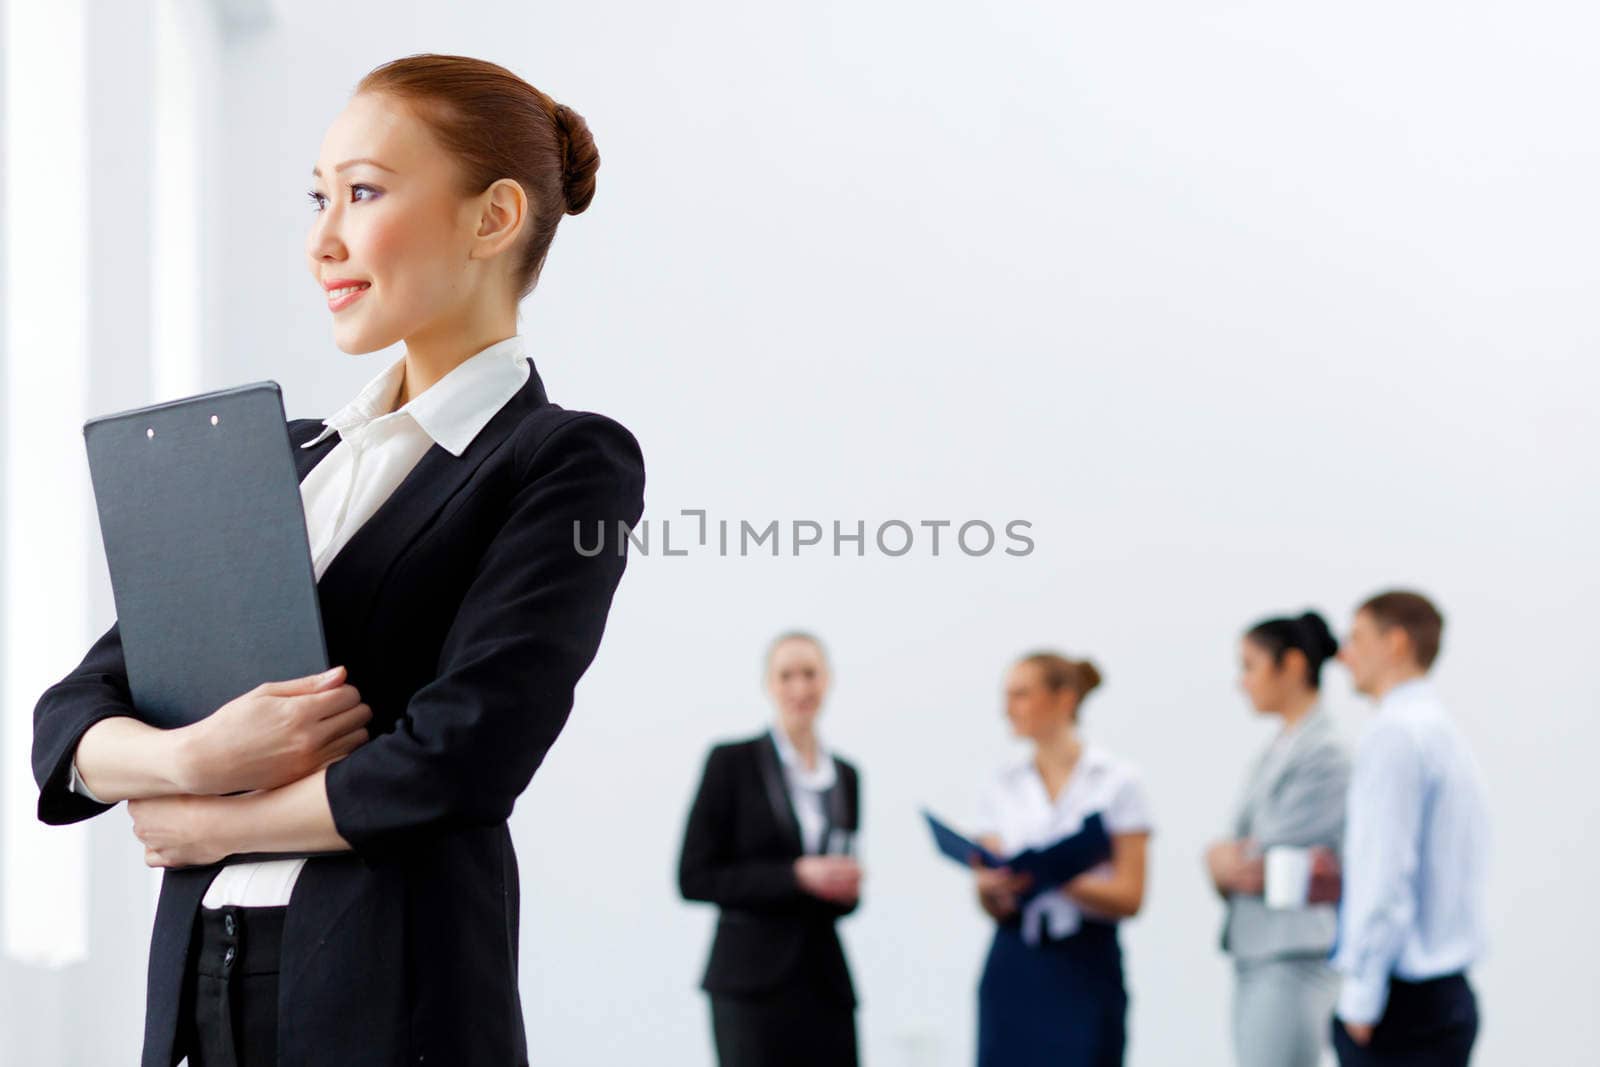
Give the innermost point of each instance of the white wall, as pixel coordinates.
(1246, 308)
(111, 198)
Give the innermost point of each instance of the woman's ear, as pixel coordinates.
(1295, 664)
(1070, 701)
(503, 208)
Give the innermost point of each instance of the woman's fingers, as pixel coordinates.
(332, 702)
(346, 722)
(308, 684)
(342, 746)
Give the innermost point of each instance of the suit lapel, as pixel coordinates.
(328, 885)
(1266, 778)
(841, 813)
(1252, 792)
(778, 792)
(1309, 730)
(351, 580)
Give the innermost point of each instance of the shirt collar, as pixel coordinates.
(451, 411)
(819, 779)
(1092, 762)
(1410, 689)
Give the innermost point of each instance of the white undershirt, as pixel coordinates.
(808, 787)
(377, 448)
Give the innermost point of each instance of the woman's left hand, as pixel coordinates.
(179, 830)
(1236, 867)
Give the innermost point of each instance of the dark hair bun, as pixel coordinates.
(580, 159)
(1319, 638)
(1309, 635)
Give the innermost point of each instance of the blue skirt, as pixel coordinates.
(1054, 1004)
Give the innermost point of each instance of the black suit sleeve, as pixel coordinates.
(97, 688)
(708, 867)
(528, 627)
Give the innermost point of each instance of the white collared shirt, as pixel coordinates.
(377, 448)
(1415, 854)
(1016, 808)
(807, 788)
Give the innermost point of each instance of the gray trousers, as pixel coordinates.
(1281, 1009)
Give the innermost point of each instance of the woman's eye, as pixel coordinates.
(318, 201)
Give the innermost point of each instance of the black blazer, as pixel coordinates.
(739, 850)
(465, 616)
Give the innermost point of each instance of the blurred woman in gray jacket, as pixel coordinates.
(1293, 805)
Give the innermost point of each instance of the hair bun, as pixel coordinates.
(1088, 677)
(579, 159)
(1318, 635)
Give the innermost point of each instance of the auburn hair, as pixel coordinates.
(1059, 672)
(498, 126)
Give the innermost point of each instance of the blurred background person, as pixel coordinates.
(1052, 991)
(1294, 798)
(769, 840)
(1411, 919)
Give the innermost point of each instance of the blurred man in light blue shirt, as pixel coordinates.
(1411, 918)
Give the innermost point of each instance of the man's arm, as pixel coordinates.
(1383, 827)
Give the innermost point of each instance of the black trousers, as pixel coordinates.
(792, 1028)
(231, 987)
(1426, 1024)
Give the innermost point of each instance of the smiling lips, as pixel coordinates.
(342, 293)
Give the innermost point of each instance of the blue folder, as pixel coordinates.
(1051, 866)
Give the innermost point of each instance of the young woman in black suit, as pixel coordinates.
(444, 508)
(770, 841)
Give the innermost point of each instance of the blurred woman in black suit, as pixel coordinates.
(769, 840)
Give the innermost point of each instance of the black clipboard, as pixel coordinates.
(205, 539)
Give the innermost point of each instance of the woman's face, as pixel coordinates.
(1266, 683)
(797, 680)
(1036, 712)
(391, 222)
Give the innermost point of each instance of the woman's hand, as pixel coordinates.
(1118, 893)
(1236, 868)
(178, 831)
(277, 733)
(999, 889)
(831, 878)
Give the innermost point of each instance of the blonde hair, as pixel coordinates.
(793, 635)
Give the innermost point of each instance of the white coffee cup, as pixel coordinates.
(1288, 876)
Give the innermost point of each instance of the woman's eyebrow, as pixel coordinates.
(315, 173)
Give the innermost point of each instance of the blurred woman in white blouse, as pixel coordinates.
(1052, 991)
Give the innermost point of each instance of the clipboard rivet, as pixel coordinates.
(213, 420)
(150, 431)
